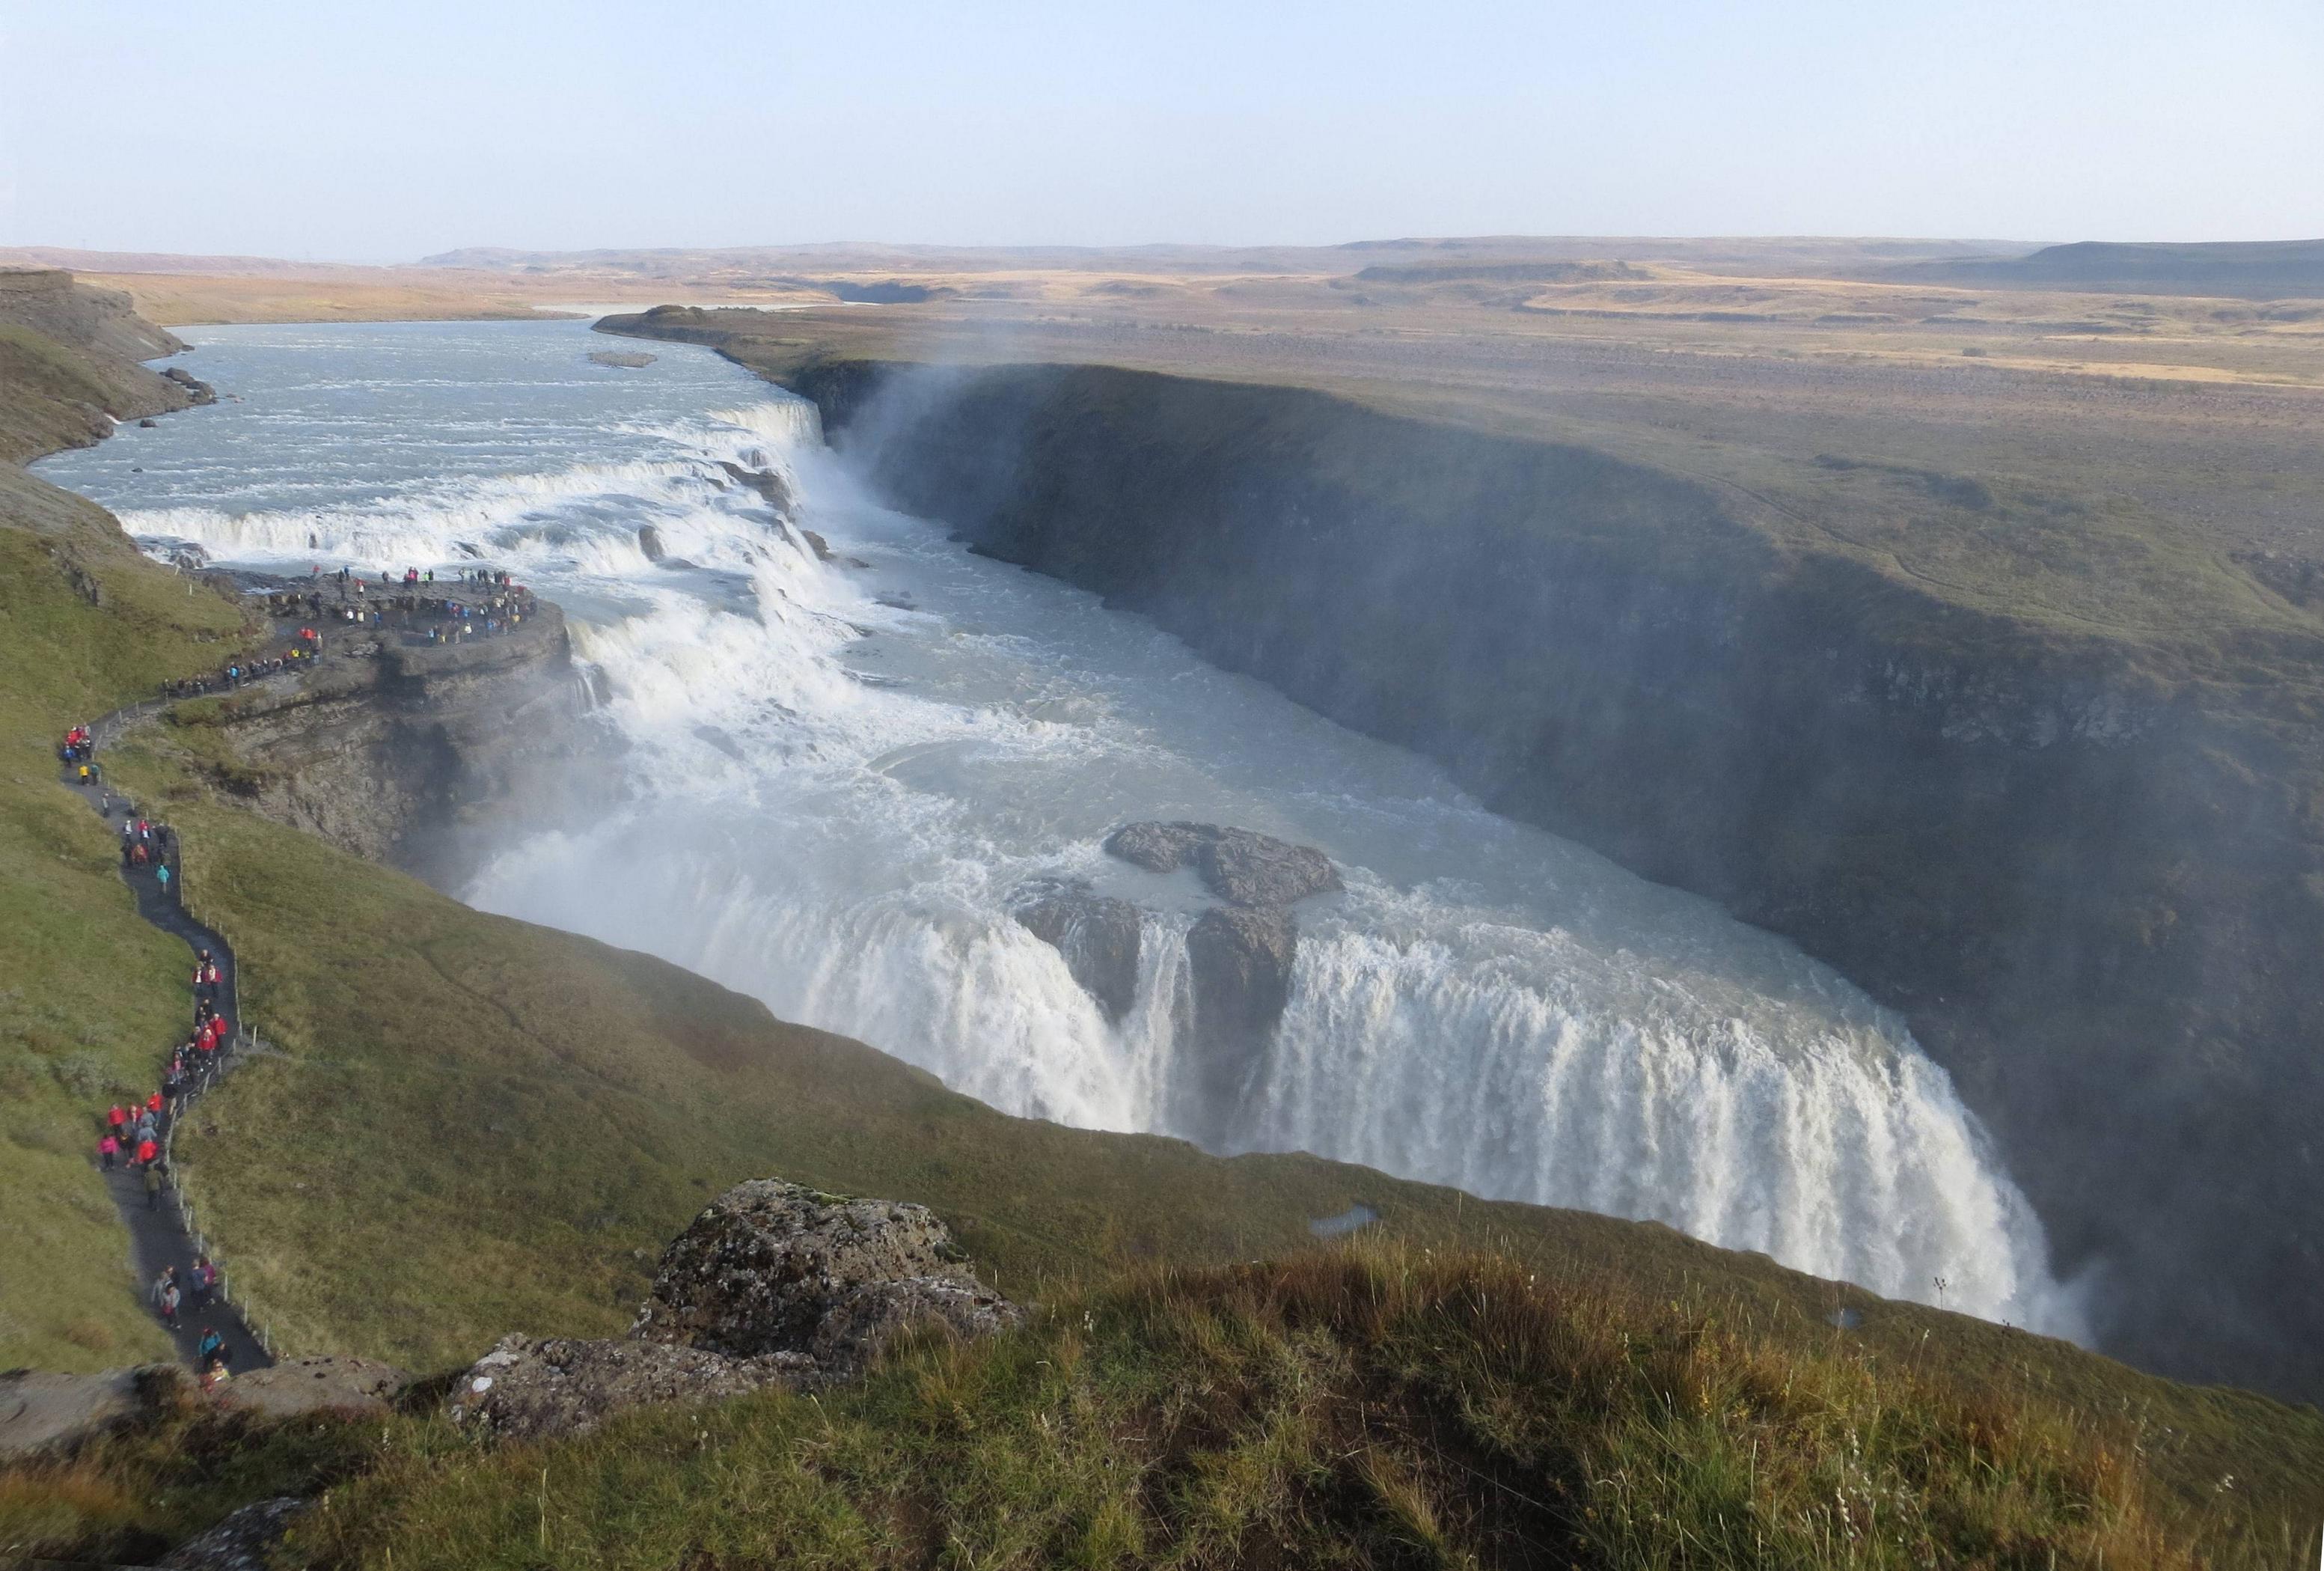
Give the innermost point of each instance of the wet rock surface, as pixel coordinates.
(1239, 865)
(243, 1541)
(1239, 955)
(650, 542)
(527, 1387)
(1097, 935)
(1241, 962)
(770, 487)
(772, 1285)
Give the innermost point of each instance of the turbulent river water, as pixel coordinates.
(841, 772)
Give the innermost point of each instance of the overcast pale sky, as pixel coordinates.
(386, 132)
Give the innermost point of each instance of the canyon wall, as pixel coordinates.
(2092, 882)
(409, 756)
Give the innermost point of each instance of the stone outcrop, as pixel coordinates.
(772, 487)
(404, 754)
(198, 390)
(1238, 866)
(1097, 935)
(650, 542)
(1240, 958)
(243, 1541)
(771, 1267)
(772, 1285)
(43, 1411)
(325, 1384)
(626, 359)
(525, 1388)
(1239, 955)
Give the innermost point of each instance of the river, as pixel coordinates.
(841, 772)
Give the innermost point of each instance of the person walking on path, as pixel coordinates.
(154, 1186)
(107, 1150)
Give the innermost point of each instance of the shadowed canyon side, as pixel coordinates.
(2088, 871)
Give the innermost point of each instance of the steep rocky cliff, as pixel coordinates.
(70, 365)
(407, 755)
(2091, 875)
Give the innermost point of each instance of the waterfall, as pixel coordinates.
(842, 776)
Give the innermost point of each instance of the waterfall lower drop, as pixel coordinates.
(845, 773)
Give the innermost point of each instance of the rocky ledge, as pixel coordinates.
(773, 1285)
(1240, 954)
(406, 753)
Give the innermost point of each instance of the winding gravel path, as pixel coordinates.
(158, 1235)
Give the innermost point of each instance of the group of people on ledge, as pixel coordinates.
(307, 645)
(487, 604)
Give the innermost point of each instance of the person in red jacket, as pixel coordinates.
(154, 1102)
(148, 1154)
(118, 1119)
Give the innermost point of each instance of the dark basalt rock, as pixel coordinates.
(1241, 960)
(1239, 865)
(1097, 935)
(769, 485)
(201, 391)
(650, 542)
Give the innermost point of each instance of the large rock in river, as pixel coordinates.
(1240, 962)
(1240, 866)
(1097, 935)
(772, 1267)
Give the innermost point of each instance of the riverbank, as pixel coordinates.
(2070, 850)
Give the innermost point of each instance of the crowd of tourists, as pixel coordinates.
(134, 1134)
(474, 603)
(307, 645)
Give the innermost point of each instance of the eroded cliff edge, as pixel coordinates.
(409, 754)
(2089, 874)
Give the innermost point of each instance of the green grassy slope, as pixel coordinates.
(89, 995)
(1364, 1406)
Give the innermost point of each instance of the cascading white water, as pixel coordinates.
(842, 774)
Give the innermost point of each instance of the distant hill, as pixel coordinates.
(1502, 273)
(2248, 269)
